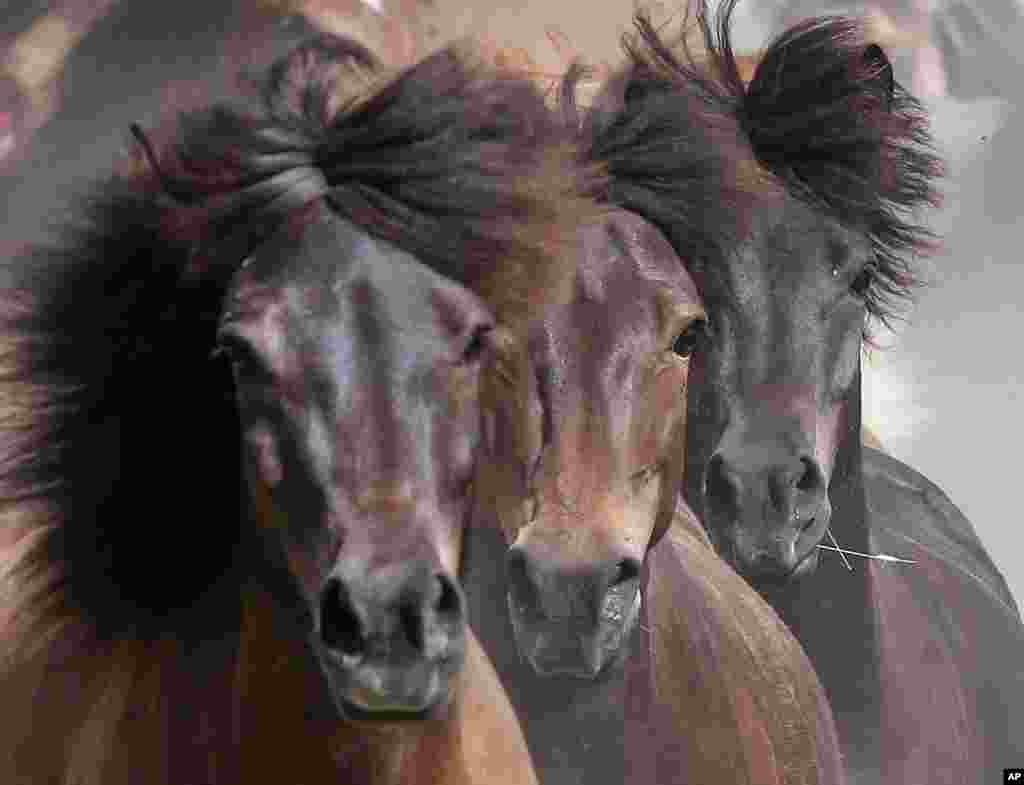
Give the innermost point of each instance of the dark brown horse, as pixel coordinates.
(583, 427)
(826, 162)
(240, 414)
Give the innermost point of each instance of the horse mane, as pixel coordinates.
(121, 454)
(665, 161)
(821, 117)
(451, 161)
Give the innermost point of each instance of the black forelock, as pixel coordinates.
(822, 115)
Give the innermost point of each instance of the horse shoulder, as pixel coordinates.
(947, 619)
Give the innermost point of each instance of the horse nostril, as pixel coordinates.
(521, 588)
(340, 627)
(719, 485)
(448, 603)
(411, 619)
(626, 570)
(429, 609)
(811, 479)
(515, 566)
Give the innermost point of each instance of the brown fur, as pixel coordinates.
(751, 712)
(479, 741)
(587, 472)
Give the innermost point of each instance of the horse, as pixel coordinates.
(584, 419)
(583, 410)
(240, 416)
(828, 163)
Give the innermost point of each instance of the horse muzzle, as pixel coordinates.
(572, 622)
(391, 645)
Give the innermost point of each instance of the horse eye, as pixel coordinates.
(860, 285)
(686, 343)
(244, 361)
(477, 345)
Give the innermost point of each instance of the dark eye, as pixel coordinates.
(860, 285)
(245, 363)
(688, 339)
(477, 345)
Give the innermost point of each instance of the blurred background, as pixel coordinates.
(943, 395)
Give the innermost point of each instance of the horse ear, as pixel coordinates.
(876, 58)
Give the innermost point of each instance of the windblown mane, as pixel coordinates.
(821, 117)
(120, 456)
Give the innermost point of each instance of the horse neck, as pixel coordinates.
(100, 711)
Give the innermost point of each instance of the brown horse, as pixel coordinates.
(240, 416)
(583, 424)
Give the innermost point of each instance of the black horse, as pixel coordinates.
(822, 161)
(239, 403)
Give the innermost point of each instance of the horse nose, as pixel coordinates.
(417, 614)
(567, 619)
(722, 487)
(527, 582)
(771, 503)
(545, 590)
(793, 486)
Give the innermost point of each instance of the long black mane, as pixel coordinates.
(691, 146)
(120, 452)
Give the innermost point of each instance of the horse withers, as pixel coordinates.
(240, 401)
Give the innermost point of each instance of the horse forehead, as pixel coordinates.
(343, 313)
(374, 299)
(624, 257)
(794, 239)
(328, 259)
(627, 273)
(649, 256)
(789, 257)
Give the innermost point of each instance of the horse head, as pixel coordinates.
(793, 216)
(585, 410)
(292, 304)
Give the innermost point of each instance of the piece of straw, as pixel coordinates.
(878, 556)
(832, 537)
